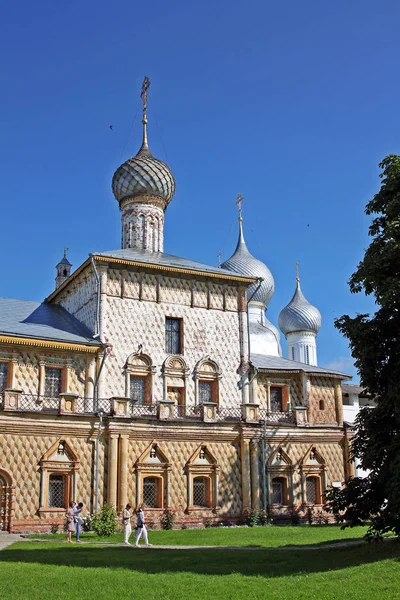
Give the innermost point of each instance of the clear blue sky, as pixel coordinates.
(291, 103)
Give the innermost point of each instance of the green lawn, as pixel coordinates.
(55, 571)
(268, 537)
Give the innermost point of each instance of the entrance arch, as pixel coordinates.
(6, 500)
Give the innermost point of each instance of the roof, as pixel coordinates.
(276, 363)
(167, 260)
(348, 388)
(23, 318)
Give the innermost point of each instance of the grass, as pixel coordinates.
(57, 571)
(267, 537)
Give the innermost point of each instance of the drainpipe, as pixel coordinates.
(264, 458)
(96, 485)
(97, 330)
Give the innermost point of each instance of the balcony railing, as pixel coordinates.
(12, 400)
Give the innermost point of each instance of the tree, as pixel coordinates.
(375, 344)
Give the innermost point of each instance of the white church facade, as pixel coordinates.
(154, 379)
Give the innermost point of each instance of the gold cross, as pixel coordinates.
(219, 257)
(297, 271)
(239, 200)
(65, 252)
(144, 94)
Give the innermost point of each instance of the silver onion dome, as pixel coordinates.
(144, 175)
(244, 263)
(299, 315)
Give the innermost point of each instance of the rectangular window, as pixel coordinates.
(150, 492)
(277, 491)
(311, 490)
(276, 399)
(3, 375)
(200, 491)
(56, 491)
(307, 352)
(53, 382)
(137, 389)
(173, 336)
(205, 391)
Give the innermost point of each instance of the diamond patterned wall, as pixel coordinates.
(178, 453)
(79, 298)
(130, 323)
(296, 388)
(322, 388)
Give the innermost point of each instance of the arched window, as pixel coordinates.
(6, 500)
(279, 490)
(59, 467)
(151, 492)
(313, 490)
(201, 492)
(207, 375)
(139, 378)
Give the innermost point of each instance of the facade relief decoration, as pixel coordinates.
(202, 471)
(152, 470)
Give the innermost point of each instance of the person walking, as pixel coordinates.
(141, 529)
(70, 521)
(126, 522)
(78, 521)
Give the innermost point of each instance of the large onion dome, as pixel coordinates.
(144, 175)
(244, 263)
(299, 315)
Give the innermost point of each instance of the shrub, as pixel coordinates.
(294, 516)
(87, 524)
(207, 523)
(257, 517)
(150, 524)
(105, 523)
(54, 527)
(310, 515)
(167, 519)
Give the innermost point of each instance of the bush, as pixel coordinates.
(105, 523)
(167, 519)
(310, 515)
(87, 523)
(294, 516)
(150, 524)
(256, 517)
(54, 527)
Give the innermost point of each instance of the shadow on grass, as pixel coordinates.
(266, 562)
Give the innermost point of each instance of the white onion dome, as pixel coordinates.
(299, 315)
(144, 176)
(244, 263)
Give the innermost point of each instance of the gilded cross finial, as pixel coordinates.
(219, 258)
(65, 252)
(297, 273)
(144, 96)
(239, 200)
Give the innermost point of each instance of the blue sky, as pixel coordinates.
(292, 104)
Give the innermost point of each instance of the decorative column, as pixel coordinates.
(338, 402)
(255, 476)
(42, 377)
(89, 383)
(12, 373)
(112, 469)
(246, 494)
(123, 471)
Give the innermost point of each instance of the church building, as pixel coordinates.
(153, 379)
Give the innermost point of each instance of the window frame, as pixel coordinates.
(207, 491)
(8, 375)
(62, 380)
(180, 345)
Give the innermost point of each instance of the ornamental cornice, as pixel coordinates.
(50, 344)
(143, 199)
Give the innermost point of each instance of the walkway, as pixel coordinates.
(6, 539)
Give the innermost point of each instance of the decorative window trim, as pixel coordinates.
(207, 370)
(284, 471)
(160, 469)
(8, 383)
(65, 375)
(210, 470)
(140, 365)
(67, 468)
(317, 470)
(175, 373)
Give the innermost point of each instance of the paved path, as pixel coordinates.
(6, 539)
(322, 546)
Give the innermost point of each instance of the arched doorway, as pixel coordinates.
(6, 501)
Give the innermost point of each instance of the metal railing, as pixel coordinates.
(91, 406)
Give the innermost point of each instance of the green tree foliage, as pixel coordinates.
(375, 345)
(105, 523)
